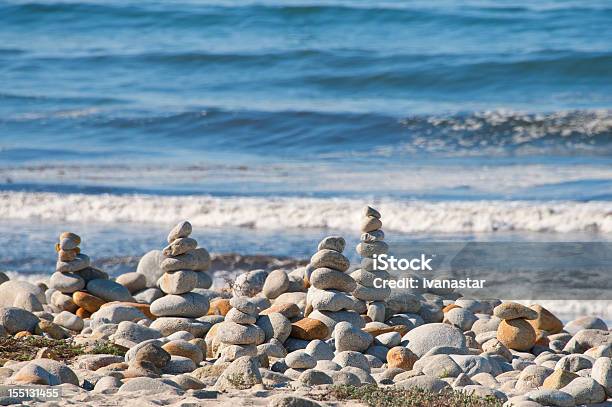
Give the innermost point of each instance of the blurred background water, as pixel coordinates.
(270, 123)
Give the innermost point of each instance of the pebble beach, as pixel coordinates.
(318, 334)
(195, 197)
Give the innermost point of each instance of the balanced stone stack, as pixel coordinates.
(182, 263)
(72, 273)
(238, 335)
(515, 331)
(77, 287)
(372, 244)
(70, 260)
(330, 286)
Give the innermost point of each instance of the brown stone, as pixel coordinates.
(23, 334)
(89, 302)
(201, 342)
(546, 321)
(449, 307)
(144, 308)
(309, 329)
(114, 367)
(402, 329)
(50, 328)
(211, 349)
(28, 378)
(67, 255)
(71, 236)
(513, 310)
(186, 349)
(558, 379)
(516, 334)
(82, 313)
(154, 353)
(141, 368)
(63, 301)
(542, 338)
(288, 310)
(219, 306)
(370, 224)
(308, 310)
(401, 357)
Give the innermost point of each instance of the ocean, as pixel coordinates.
(270, 124)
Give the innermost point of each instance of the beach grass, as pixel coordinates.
(375, 396)
(27, 348)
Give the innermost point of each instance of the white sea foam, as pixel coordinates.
(334, 213)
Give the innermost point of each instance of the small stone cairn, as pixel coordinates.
(238, 335)
(183, 261)
(372, 244)
(330, 286)
(72, 274)
(515, 330)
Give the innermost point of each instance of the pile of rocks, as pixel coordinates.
(372, 244)
(183, 264)
(329, 296)
(514, 330)
(238, 335)
(272, 340)
(78, 288)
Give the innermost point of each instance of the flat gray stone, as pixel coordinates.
(330, 279)
(66, 283)
(250, 284)
(182, 305)
(16, 320)
(133, 281)
(421, 339)
(300, 359)
(423, 382)
(349, 337)
(548, 397)
(236, 334)
(241, 374)
(197, 259)
(109, 290)
(330, 259)
(181, 229)
(277, 283)
(178, 282)
(150, 266)
(129, 334)
(79, 263)
(69, 321)
(150, 386)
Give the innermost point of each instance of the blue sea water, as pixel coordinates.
(330, 81)
(460, 117)
(270, 123)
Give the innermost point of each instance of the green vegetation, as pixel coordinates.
(240, 381)
(107, 348)
(375, 396)
(26, 348)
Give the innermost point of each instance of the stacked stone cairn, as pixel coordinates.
(329, 296)
(515, 330)
(78, 288)
(372, 244)
(271, 339)
(238, 335)
(183, 261)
